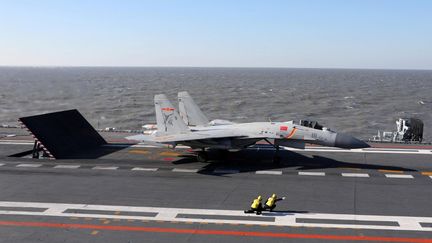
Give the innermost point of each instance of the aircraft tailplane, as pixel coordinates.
(167, 118)
(190, 112)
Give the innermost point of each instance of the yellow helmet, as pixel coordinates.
(259, 198)
(274, 195)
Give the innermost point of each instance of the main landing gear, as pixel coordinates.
(205, 156)
(202, 156)
(276, 157)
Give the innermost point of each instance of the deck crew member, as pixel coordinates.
(256, 206)
(271, 202)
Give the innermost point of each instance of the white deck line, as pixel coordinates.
(105, 167)
(67, 166)
(311, 173)
(406, 223)
(1, 164)
(367, 150)
(307, 149)
(399, 176)
(268, 172)
(16, 142)
(355, 175)
(29, 165)
(185, 170)
(144, 169)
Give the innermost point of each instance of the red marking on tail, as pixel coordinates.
(168, 109)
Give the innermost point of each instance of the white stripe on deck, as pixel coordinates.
(311, 173)
(268, 172)
(306, 149)
(399, 176)
(1, 164)
(17, 142)
(355, 174)
(185, 170)
(105, 168)
(405, 223)
(29, 165)
(367, 150)
(144, 169)
(66, 166)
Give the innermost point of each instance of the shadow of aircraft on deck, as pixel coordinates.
(253, 160)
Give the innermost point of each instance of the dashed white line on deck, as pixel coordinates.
(268, 172)
(67, 166)
(355, 175)
(105, 168)
(144, 169)
(219, 171)
(29, 165)
(311, 173)
(185, 170)
(399, 176)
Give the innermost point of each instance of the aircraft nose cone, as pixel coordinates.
(349, 142)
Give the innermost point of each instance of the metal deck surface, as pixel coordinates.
(145, 194)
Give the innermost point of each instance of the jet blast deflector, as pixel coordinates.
(62, 134)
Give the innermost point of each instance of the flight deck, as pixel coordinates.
(135, 192)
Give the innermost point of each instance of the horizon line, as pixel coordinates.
(227, 67)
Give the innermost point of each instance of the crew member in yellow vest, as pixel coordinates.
(271, 202)
(256, 206)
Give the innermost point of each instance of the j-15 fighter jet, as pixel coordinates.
(192, 128)
(192, 114)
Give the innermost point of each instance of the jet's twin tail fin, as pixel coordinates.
(167, 118)
(190, 112)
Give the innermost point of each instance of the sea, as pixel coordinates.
(358, 102)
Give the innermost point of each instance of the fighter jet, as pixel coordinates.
(192, 114)
(173, 129)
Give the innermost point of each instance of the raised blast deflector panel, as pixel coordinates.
(63, 133)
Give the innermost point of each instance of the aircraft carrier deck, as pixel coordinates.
(139, 193)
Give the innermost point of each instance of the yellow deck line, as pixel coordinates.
(427, 173)
(139, 151)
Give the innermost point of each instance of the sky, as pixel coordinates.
(382, 34)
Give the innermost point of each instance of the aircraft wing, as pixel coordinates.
(196, 136)
(190, 136)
